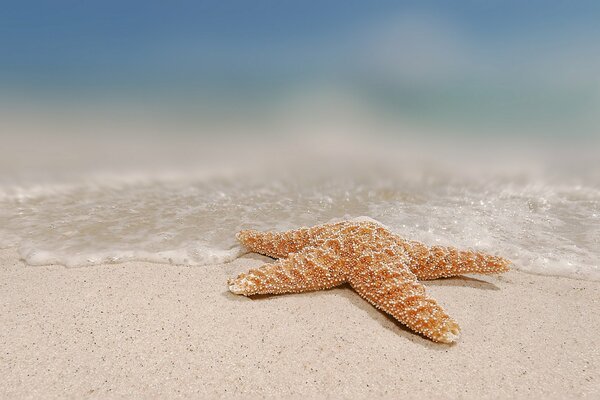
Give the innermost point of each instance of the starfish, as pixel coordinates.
(382, 267)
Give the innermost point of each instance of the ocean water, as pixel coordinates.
(538, 207)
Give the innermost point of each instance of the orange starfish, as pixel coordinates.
(382, 267)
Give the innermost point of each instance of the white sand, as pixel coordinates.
(149, 330)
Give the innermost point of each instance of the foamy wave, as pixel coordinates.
(545, 227)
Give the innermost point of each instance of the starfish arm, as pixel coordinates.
(300, 272)
(276, 244)
(442, 262)
(397, 292)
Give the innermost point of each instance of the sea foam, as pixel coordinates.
(544, 225)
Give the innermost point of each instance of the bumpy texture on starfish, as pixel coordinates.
(382, 267)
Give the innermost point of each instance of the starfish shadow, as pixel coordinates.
(265, 297)
(258, 257)
(388, 322)
(255, 297)
(462, 281)
(385, 320)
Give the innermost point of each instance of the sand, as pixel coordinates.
(149, 330)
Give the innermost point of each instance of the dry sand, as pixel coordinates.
(148, 330)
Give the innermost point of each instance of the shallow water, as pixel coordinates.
(545, 222)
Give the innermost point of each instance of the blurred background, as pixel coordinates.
(470, 123)
(287, 69)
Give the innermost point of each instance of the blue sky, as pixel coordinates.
(57, 39)
(455, 56)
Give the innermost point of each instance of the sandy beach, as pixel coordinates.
(138, 139)
(150, 330)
